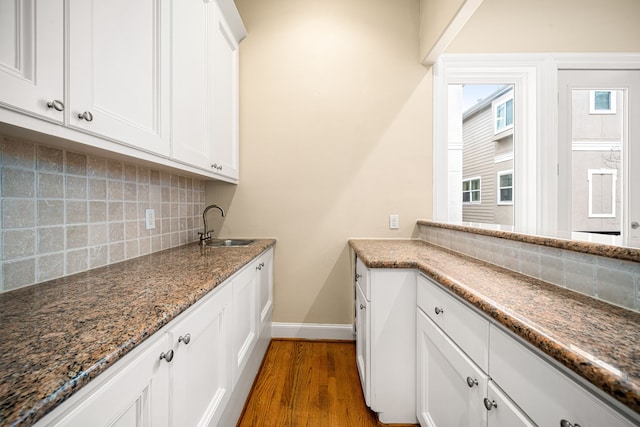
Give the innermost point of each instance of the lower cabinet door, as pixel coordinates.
(137, 396)
(547, 395)
(450, 387)
(201, 370)
(502, 411)
(363, 349)
(244, 335)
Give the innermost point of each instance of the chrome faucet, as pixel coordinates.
(207, 233)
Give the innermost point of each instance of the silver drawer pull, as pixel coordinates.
(185, 339)
(86, 116)
(56, 105)
(439, 310)
(565, 423)
(490, 404)
(168, 356)
(471, 382)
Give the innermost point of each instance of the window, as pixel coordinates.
(505, 187)
(471, 190)
(503, 113)
(602, 102)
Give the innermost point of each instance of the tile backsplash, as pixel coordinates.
(64, 212)
(612, 280)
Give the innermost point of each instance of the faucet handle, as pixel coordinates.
(204, 236)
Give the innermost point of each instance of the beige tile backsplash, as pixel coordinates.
(64, 212)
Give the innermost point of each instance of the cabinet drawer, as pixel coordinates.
(542, 391)
(467, 329)
(362, 278)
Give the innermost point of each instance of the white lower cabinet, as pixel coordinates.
(201, 377)
(385, 341)
(187, 373)
(451, 388)
(547, 395)
(503, 411)
(265, 288)
(245, 319)
(137, 396)
(472, 373)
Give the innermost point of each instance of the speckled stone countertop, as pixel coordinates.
(58, 335)
(598, 341)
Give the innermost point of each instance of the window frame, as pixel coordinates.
(499, 188)
(471, 191)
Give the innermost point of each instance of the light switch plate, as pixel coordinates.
(394, 222)
(150, 218)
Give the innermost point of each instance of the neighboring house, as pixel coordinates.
(596, 142)
(487, 159)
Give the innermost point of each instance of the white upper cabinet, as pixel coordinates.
(31, 57)
(225, 105)
(119, 62)
(192, 99)
(155, 80)
(205, 86)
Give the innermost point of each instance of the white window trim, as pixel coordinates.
(494, 110)
(536, 138)
(479, 190)
(498, 188)
(614, 174)
(592, 102)
(520, 70)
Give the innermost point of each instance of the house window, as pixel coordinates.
(505, 187)
(602, 102)
(602, 193)
(503, 113)
(471, 190)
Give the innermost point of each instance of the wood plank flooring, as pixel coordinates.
(308, 384)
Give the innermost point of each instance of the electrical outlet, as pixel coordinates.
(150, 218)
(394, 222)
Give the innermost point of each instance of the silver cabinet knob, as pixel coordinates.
(56, 105)
(471, 382)
(490, 404)
(168, 356)
(439, 310)
(565, 423)
(86, 116)
(358, 276)
(216, 166)
(185, 339)
(635, 225)
(362, 306)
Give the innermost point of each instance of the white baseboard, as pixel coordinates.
(312, 331)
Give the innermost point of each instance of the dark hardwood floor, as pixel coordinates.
(307, 384)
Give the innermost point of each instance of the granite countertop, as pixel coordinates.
(58, 335)
(598, 341)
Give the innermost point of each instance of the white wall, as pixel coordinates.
(335, 114)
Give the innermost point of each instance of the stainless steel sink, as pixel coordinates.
(230, 242)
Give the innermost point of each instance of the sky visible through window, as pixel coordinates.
(471, 94)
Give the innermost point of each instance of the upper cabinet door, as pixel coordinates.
(119, 67)
(31, 57)
(225, 106)
(192, 91)
(205, 88)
